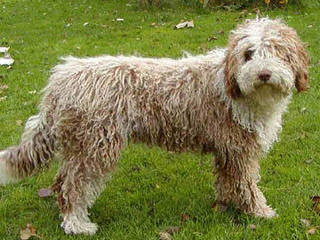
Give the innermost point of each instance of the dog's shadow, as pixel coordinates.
(154, 189)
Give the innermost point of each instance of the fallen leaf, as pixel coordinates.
(28, 232)
(172, 230)
(32, 92)
(221, 32)
(85, 24)
(252, 227)
(187, 24)
(19, 122)
(305, 222)
(164, 236)
(45, 192)
(3, 98)
(167, 234)
(316, 203)
(312, 231)
(3, 87)
(6, 60)
(212, 38)
(308, 161)
(303, 110)
(184, 217)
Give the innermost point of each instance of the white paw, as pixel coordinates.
(266, 212)
(73, 225)
(5, 178)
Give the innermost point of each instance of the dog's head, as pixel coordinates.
(265, 56)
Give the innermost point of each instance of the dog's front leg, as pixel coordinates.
(237, 184)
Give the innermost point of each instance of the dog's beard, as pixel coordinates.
(267, 95)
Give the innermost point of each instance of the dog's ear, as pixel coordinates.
(230, 71)
(297, 55)
(301, 82)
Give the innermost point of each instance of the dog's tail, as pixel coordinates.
(37, 147)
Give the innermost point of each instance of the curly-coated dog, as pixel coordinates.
(229, 102)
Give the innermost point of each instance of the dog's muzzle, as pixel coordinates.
(271, 72)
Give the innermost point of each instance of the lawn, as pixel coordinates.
(152, 189)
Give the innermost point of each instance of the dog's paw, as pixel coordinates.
(266, 212)
(5, 177)
(72, 225)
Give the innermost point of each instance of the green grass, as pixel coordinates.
(152, 188)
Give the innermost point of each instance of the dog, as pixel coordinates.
(228, 102)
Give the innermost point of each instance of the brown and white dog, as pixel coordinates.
(229, 102)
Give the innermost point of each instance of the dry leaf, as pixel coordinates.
(19, 122)
(305, 222)
(312, 231)
(6, 60)
(308, 161)
(184, 217)
(212, 38)
(33, 92)
(252, 227)
(28, 232)
(164, 236)
(172, 230)
(316, 203)
(3, 87)
(3, 98)
(45, 192)
(187, 24)
(167, 235)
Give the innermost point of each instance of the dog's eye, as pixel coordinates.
(248, 55)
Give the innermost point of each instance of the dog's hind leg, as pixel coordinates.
(77, 188)
(89, 153)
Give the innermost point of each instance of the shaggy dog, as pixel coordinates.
(229, 102)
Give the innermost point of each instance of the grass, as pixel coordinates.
(152, 188)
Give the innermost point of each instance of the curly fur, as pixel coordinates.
(215, 103)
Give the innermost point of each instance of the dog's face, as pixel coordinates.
(265, 57)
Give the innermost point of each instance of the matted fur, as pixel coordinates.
(229, 102)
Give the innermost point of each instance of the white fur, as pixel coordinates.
(78, 224)
(5, 178)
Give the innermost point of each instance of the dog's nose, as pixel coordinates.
(265, 75)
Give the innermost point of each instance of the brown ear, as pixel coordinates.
(297, 56)
(230, 70)
(301, 82)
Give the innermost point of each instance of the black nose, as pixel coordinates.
(265, 75)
